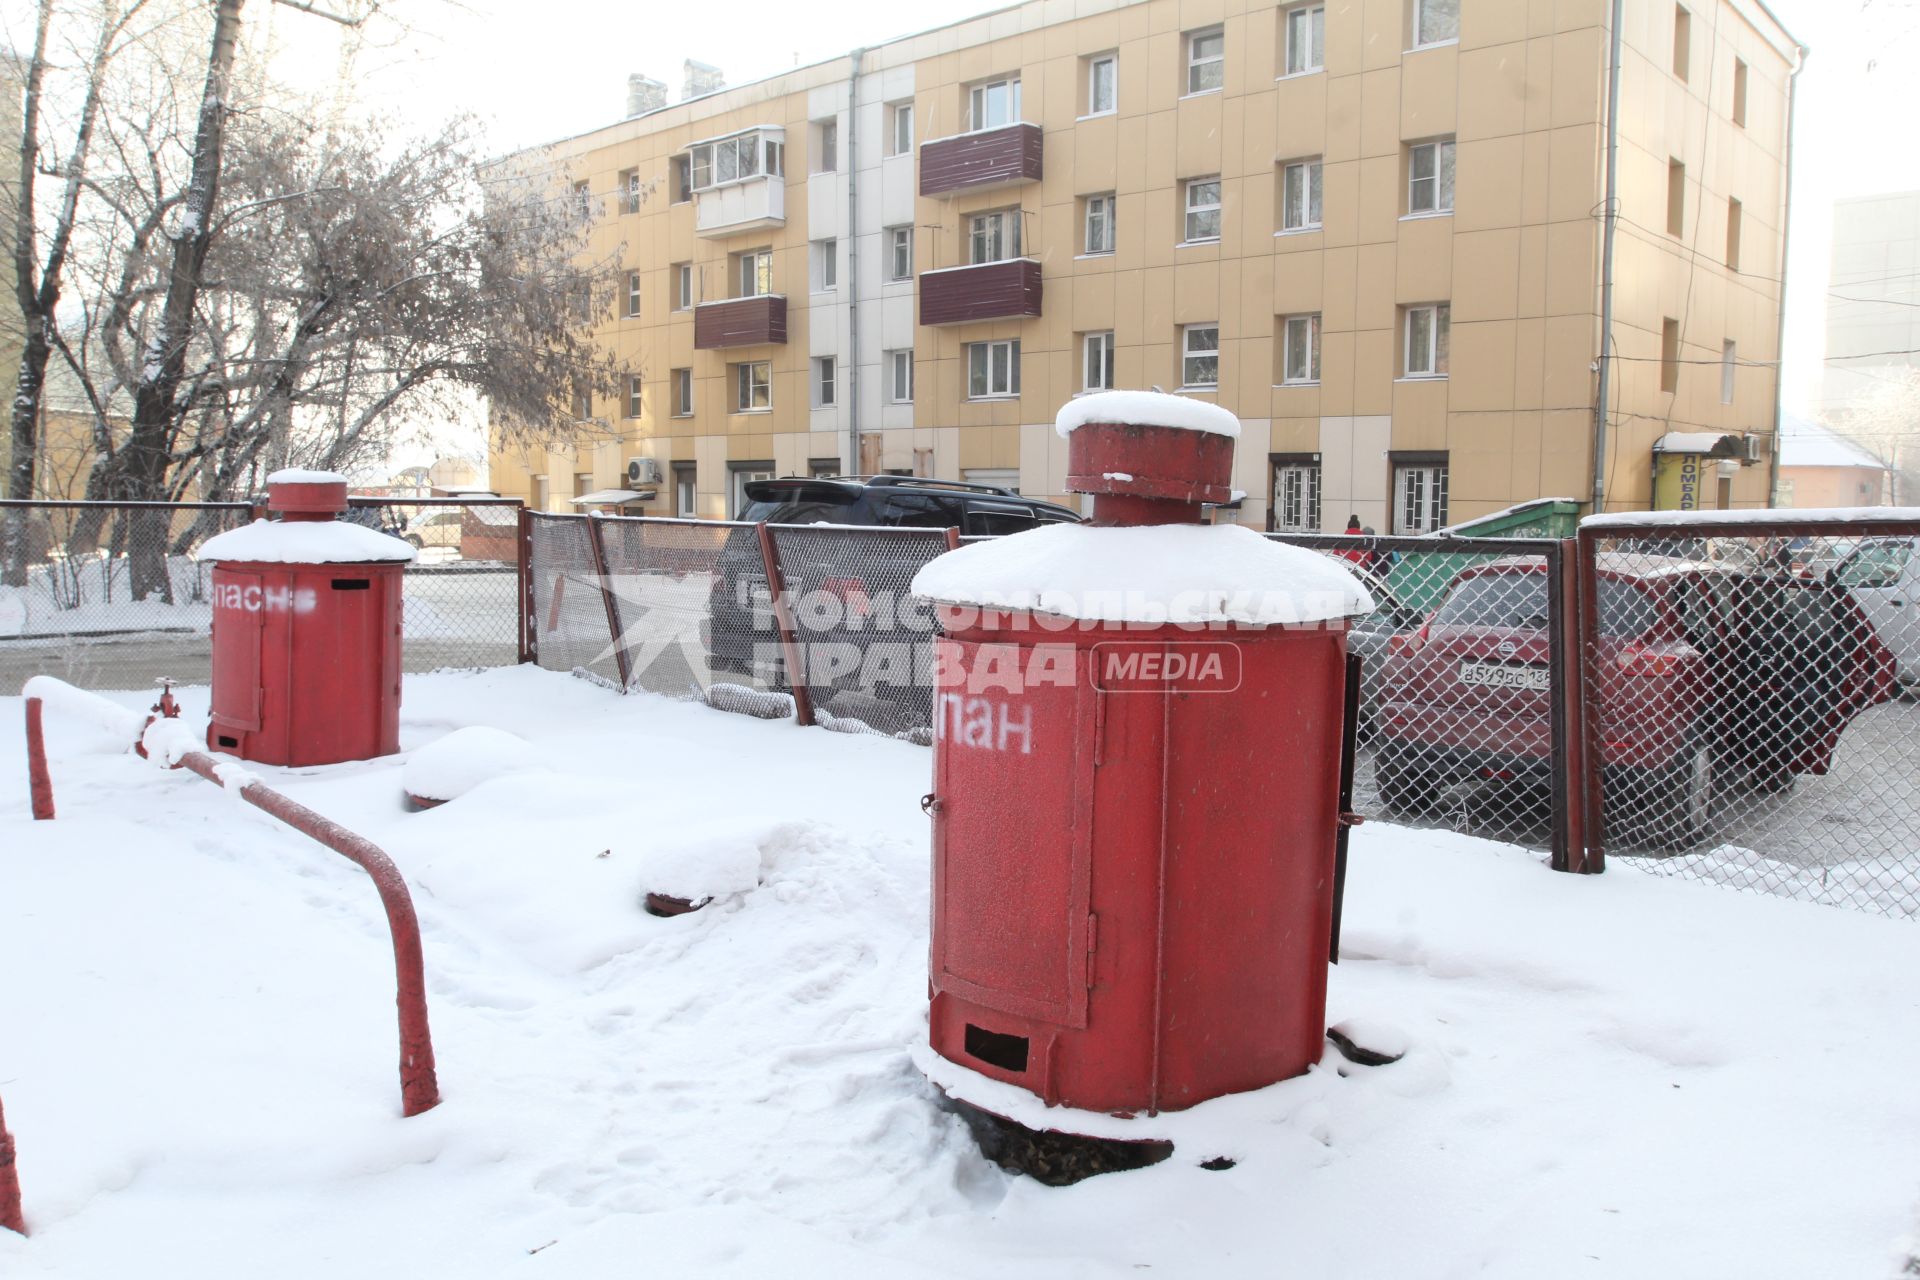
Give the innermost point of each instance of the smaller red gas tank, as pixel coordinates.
(306, 630)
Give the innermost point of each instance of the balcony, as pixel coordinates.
(1003, 157)
(988, 291)
(740, 322)
(747, 204)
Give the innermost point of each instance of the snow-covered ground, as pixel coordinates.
(1620, 1076)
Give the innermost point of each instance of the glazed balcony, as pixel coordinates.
(1004, 157)
(986, 291)
(747, 204)
(740, 322)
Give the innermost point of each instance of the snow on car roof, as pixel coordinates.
(1146, 409)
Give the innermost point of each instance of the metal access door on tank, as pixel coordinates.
(1024, 884)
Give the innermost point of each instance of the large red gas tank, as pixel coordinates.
(306, 630)
(1137, 743)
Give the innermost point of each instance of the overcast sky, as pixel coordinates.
(539, 71)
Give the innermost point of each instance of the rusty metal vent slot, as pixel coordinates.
(352, 584)
(1009, 1053)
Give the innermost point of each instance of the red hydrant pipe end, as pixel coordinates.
(10, 1216)
(39, 782)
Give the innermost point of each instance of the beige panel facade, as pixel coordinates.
(1427, 214)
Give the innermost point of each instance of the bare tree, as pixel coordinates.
(1886, 424)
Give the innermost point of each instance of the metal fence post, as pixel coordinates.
(1585, 644)
(1569, 734)
(523, 545)
(783, 618)
(599, 548)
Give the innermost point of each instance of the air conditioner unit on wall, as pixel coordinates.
(643, 471)
(1756, 447)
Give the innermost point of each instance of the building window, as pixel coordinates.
(993, 103)
(825, 266)
(734, 159)
(1427, 341)
(1729, 360)
(633, 395)
(753, 273)
(682, 286)
(1676, 198)
(629, 191)
(1203, 209)
(899, 253)
(1200, 355)
(1206, 60)
(994, 237)
(1303, 32)
(633, 295)
(1101, 84)
(993, 369)
(680, 171)
(1682, 42)
(541, 492)
(582, 201)
(1430, 177)
(739, 476)
(753, 387)
(1300, 348)
(582, 483)
(826, 146)
(1740, 93)
(1097, 361)
(1435, 21)
(1419, 494)
(1669, 355)
(1296, 494)
(900, 377)
(825, 382)
(820, 467)
(900, 136)
(1099, 224)
(683, 490)
(582, 404)
(1300, 196)
(1734, 212)
(683, 393)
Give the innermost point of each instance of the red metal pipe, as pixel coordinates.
(783, 619)
(419, 1086)
(10, 1216)
(39, 782)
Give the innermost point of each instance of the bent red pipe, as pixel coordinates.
(10, 1216)
(39, 784)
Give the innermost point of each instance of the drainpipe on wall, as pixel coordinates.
(853, 258)
(1780, 332)
(1606, 265)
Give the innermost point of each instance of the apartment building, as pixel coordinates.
(1373, 229)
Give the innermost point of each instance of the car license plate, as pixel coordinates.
(1489, 675)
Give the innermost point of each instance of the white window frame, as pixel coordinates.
(1431, 358)
(1419, 497)
(739, 157)
(583, 200)
(997, 232)
(753, 387)
(1111, 61)
(738, 478)
(826, 382)
(900, 376)
(683, 286)
(1201, 67)
(899, 254)
(1193, 356)
(824, 268)
(981, 115)
(633, 295)
(680, 177)
(1191, 189)
(998, 367)
(683, 393)
(686, 491)
(1096, 361)
(636, 396)
(1307, 323)
(1097, 226)
(629, 191)
(1311, 58)
(1301, 195)
(752, 269)
(1436, 188)
(826, 146)
(900, 128)
(1420, 39)
(1296, 494)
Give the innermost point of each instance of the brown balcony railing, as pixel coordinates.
(740, 322)
(988, 291)
(1002, 157)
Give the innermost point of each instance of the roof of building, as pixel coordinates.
(1808, 444)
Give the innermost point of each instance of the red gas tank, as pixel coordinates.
(1137, 747)
(306, 630)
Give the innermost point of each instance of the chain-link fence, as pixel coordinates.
(1751, 703)
(1463, 697)
(110, 595)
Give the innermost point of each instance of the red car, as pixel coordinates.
(1704, 675)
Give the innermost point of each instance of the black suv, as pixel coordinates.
(739, 628)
